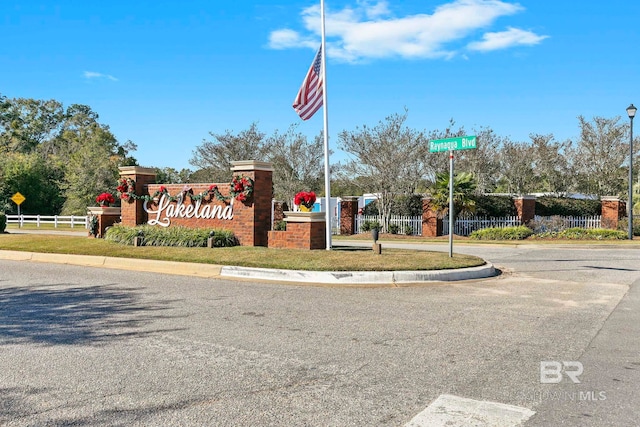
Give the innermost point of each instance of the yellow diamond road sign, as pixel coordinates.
(18, 199)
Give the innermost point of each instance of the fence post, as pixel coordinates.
(612, 210)
(348, 212)
(431, 224)
(526, 207)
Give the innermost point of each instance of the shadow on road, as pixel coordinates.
(64, 314)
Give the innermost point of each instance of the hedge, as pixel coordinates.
(502, 233)
(173, 236)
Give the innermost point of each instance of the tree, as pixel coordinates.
(482, 162)
(464, 186)
(215, 156)
(25, 124)
(30, 175)
(550, 164)
(600, 157)
(516, 167)
(298, 165)
(390, 156)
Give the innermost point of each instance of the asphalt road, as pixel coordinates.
(87, 346)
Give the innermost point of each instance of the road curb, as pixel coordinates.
(359, 277)
(339, 278)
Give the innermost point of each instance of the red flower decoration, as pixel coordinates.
(105, 199)
(305, 198)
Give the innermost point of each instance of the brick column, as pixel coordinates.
(348, 211)
(431, 224)
(257, 215)
(526, 208)
(132, 212)
(612, 210)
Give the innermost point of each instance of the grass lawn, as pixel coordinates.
(341, 259)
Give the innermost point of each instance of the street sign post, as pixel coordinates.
(18, 199)
(451, 145)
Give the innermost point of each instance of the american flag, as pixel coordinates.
(309, 98)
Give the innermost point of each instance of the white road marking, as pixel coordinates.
(454, 411)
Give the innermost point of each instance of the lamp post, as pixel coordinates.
(631, 111)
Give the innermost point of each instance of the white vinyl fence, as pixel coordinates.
(556, 223)
(56, 220)
(466, 226)
(404, 223)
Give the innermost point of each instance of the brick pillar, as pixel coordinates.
(257, 215)
(526, 208)
(612, 210)
(431, 224)
(348, 211)
(107, 216)
(132, 212)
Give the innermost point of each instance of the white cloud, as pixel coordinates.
(506, 39)
(93, 75)
(370, 30)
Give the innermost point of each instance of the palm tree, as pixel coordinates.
(464, 185)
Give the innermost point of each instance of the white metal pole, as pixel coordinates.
(451, 208)
(327, 177)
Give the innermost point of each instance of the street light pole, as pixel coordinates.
(631, 111)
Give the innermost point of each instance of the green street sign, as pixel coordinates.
(452, 144)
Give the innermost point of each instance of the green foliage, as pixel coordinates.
(494, 206)
(172, 236)
(280, 226)
(407, 205)
(394, 228)
(464, 186)
(30, 175)
(563, 206)
(577, 233)
(370, 225)
(371, 208)
(505, 233)
(408, 231)
(59, 159)
(3, 222)
(623, 225)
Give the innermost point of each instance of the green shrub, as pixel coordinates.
(563, 206)
(408, 231)
(502, 233)
(280, 226)
(495, 206)
(394, 228)
(591, 234)
(3, 222)
(173, 236)
(370, 225)
(624, 226)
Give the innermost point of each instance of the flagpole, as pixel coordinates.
(325, 114)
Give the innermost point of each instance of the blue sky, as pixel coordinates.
(165, 73)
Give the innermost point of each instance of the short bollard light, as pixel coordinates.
(139, 239)
(211, 240)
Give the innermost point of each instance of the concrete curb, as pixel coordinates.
(339, 278)
(359, 277)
